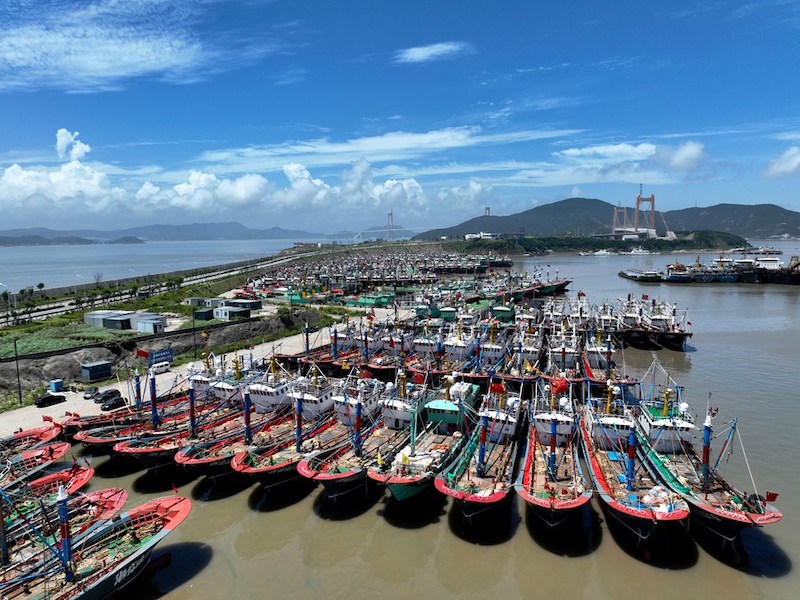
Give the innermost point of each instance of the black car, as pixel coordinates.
(106, 395)
(113, 403)
(49, 399)
(90, 392)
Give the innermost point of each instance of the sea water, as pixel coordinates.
(242, 542)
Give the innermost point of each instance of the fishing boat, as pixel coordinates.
(211, 457)
(103, 561)
(28, 438)
(31, 523)
(275, 461)
(663, 414)
(551, 480)
(629, 494)
(157, 448)
(446, 415)
(482, 476)
(343, 473)
(28, 464)
(715, 504)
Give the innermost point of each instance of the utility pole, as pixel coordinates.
(16, 361)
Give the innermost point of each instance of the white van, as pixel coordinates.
(160, 367)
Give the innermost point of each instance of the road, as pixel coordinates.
(31, 416)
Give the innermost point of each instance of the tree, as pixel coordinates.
(4, 296)
(40, 286)
(98, 277)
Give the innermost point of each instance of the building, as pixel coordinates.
(244, 303)
(229, 313)
(95, 371)
(149, 322)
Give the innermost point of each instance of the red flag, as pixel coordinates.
(47, 418)
(391, 342)
(581, 294)
(418, 378)
(558, 385)
(688, 322)
(771, 496)
(497, 388)
(645, 297)
(174, 489)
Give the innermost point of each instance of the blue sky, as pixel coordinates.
(326, 115)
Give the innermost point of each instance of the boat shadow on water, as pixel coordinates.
(354, 505)
(208, 489)
(113, 466)
(426, 508)
(753, 552)
(187, 560)
(280, 495)
(670, 548)
(491, 527)
(578, 535)
(164, 479)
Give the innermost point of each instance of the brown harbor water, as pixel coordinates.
(241, 542)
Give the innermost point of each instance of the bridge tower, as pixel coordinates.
(389, 226)
(649, 218)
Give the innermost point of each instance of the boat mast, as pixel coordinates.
(298, 429)
(631, 457)
(66, 539)
(153, 406)
(551, 460)
(192, 413)
(248, 432)
(137, 387)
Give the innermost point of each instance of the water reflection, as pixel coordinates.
(354, 505)
(670, 547)
(496, 525)
(426, 508)
(579, 535)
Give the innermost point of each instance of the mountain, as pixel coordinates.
(194, 231)
(759, 221)
(586, 217)
(574, 216)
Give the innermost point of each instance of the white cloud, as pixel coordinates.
(615, 152)
(390, 146)
(440, 51)
(468, 198)
(97, 46)
(148, 190)
(686, 157)
(66, 140)
(787, 163)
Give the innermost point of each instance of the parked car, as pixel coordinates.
(90, 392)
(106, 395)
(114, 403)
(49, 399)
(160, 367)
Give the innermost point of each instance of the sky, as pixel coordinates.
(327, 116)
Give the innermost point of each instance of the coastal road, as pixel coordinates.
(31, 416)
